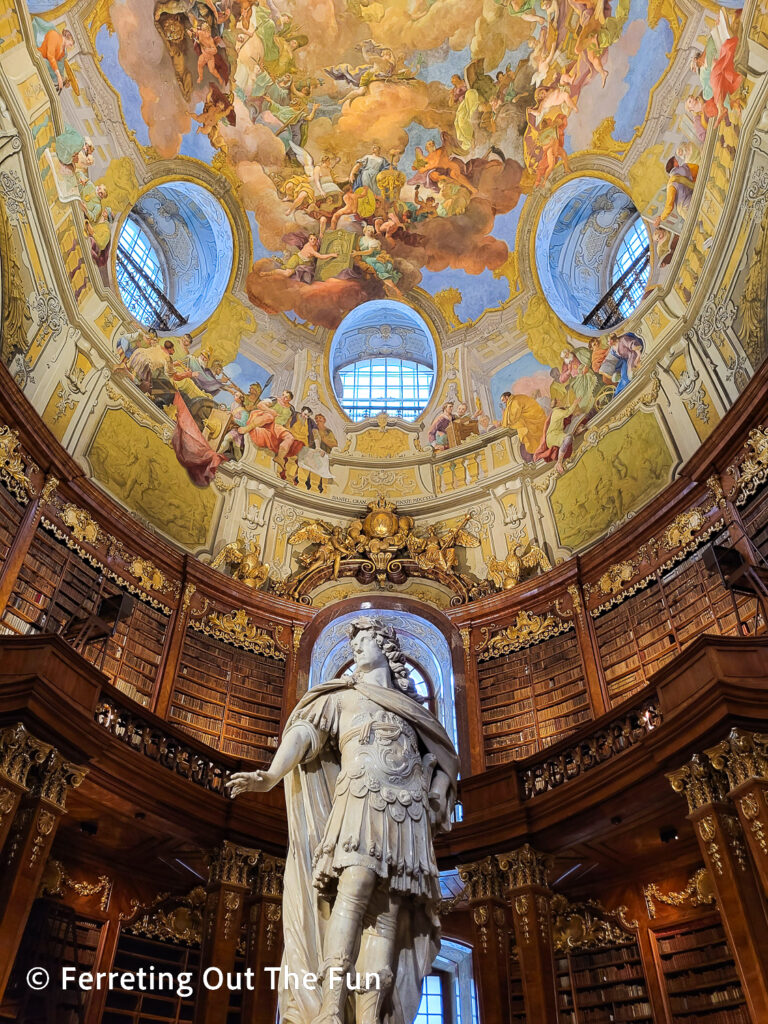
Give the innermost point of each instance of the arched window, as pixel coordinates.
(632, 267)
(448, 994)
(398, 387)
(140, 276)
(174, 256)
(383, 359)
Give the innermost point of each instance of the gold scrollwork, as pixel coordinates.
(697, 893)
(751, 470)
(528, 628)
(588, 925)
(56, 879)
(12, 469)
(237, 628)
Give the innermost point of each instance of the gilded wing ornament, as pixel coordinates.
(505, 573)
(312, 532)
(536, 557)
(230, 554)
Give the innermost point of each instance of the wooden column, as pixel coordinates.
(743, 756)
(490, 927)
(722, 844)
(32, 834)
(290, 690)
(174, 644)
(525, 873)
(474, 717)
(22, 542)
(19, 751)
(228, 886)
(590, 658)
(264, 944)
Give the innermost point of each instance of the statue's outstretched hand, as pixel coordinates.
(250, 782)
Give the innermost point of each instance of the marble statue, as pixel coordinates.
(370, 777)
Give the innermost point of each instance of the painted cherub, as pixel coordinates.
(209, 46)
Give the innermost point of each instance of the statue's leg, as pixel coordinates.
(377, 960)
(342, 940)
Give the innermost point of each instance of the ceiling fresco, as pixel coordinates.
(445, 181)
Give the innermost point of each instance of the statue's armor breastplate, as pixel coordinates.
(380, 755)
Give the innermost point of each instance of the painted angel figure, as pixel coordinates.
(370, 777)
(507, 572)
(334, 545)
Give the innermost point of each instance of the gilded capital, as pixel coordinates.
(19, 751)
(742, 756)
(269, 876)
(524, 866)
(230, 864)
(699, 782)
(56, 777)
(483, 880)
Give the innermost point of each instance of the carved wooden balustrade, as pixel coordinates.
(574, 757)
(160, 745)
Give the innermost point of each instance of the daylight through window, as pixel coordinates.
(398, 387)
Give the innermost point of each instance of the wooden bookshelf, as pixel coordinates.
(517, 1013)
(131, 656)
(55, 584)
(530, 699)
(639, 636)
(566, 1009)
(55, 937)
(10, 518)
(228, 697)
(608, 985)
(755, 516)
(157, 1007)
(166, 1006)
(700, 979)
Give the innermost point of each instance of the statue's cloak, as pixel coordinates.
(309, 792)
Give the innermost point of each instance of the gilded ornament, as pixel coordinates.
(298, 633)
(751, 469)
(615, 577)
(56, 879)
(231, 864)
(700, 783)
(186, 600)
(751, 812)
(697, 893)
(588, 925)
(55, 779)
(506, 573)
(12, 469)
(84, 528)
(49, 490)
(483, 880)
(175, 919)
(684, 528)
(237, 628)
(383, 546)
(528, 628)
(743, 756)
(243, 562)
(19, 752)
(524, 867)
(148, 575)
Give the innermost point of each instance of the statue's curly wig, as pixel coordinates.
(386, 638)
